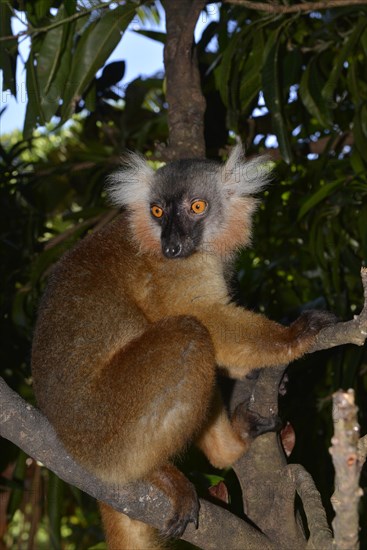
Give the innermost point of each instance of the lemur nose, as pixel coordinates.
(172, 250)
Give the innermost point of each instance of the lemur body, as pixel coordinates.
(137, 319)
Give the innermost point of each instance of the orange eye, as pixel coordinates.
(198, 207)
(157, 211)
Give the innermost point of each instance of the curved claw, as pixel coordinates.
(249, 423)
(262, 424)
(177, 524)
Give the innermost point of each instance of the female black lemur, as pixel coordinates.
(135, 322)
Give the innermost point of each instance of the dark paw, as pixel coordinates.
(187, 512)
(312, 321)
(251, 424)
(262, 424)
(182, 496)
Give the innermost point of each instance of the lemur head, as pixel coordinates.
(189, 205)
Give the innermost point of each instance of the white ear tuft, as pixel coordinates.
(131, 183)
(241, 177)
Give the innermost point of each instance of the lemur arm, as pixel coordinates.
(244, 340)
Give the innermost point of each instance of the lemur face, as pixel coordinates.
(189, 205)
(184, 200)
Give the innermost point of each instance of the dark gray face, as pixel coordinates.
(183, 198)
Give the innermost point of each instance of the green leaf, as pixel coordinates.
(153, 35)
(251, 76)
(53, 62)
(90, 97)
(8, 51)
(273, 91)
(310, 93)
(54, 504)
(98, 41)
(41, 8)
(70, 7)
(357, 84)
(359, 133)
(223, 71)
(232, 72)
(19, 474)
(317, 197)
(328, 89)
(34, 109)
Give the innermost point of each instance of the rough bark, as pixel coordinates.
(186, 103)
(30, 430)
(347, 464)
(354, 331)
(269, 490)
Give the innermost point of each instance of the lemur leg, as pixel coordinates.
(168, 376)
(123, 533)
(225, 440)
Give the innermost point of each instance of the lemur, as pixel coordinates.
(137, 320)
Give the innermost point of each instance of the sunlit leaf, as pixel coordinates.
(53, 63)
(34, 109)
(97, 42)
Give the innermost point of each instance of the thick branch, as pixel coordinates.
(305, 7)
(344, 452)
(268, 496)
(362, 449)
(27, 428)
(320, 534)
(186, 103)
(350, 332)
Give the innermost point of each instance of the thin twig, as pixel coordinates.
(305, 7)
(30, 31)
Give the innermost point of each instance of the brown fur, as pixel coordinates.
(125, 533)
(125, 353)
(237, 229)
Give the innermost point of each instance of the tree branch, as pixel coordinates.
(268, 494)
(320, 533)
(186, 103)
(344, 452)
(30, 430)
(350, 332)
(305, 7)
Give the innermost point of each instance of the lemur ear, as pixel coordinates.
(241, 177)
(131, 183)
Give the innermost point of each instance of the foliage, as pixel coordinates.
(292, 86)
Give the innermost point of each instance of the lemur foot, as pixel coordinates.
(250, 424)
(183, 498)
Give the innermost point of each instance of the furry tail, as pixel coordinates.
(123, 533)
